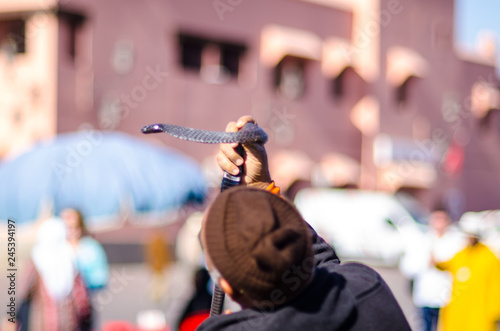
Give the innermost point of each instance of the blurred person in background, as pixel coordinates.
(431, 288)
(262, 253)
(198, 307)
(475, 298)
(187, 245)
(55, 297)
(88, 255)
(159, 258)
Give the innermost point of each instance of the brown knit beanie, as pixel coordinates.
(259, 243)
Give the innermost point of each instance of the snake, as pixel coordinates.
(249, 133)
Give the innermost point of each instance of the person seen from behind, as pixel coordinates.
(262, 253)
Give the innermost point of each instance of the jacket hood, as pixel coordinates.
(326, 304)
(349, 296)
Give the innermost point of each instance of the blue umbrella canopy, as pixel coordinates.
(101, 174)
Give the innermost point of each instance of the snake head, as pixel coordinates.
(153, 128)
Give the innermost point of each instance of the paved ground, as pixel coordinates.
(128, 293)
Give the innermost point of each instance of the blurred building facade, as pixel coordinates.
(377, 86)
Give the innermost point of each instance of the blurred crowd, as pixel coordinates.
(454, 270)
(455, 275)
(65, 269)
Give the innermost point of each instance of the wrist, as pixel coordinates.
(261, 185)
(268, 186)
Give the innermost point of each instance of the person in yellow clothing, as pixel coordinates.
(475, 298)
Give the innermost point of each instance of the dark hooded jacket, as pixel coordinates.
(349, 296)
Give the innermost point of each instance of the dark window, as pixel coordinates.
(230, 57)
(73, 22)
(404, 92)
(289, 77)
(72, 39)
(192, 53)
(13, 36)
(338, 84)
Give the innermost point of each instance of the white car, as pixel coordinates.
(367, 226)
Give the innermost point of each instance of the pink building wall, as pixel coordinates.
(182, 97)
(126, 73)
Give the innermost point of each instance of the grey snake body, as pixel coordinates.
(249, 133)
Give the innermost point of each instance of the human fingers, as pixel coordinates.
(229, 150)
(228, 158)
(225, 163)
(244, 120)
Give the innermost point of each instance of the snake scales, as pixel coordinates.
(249, 133)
